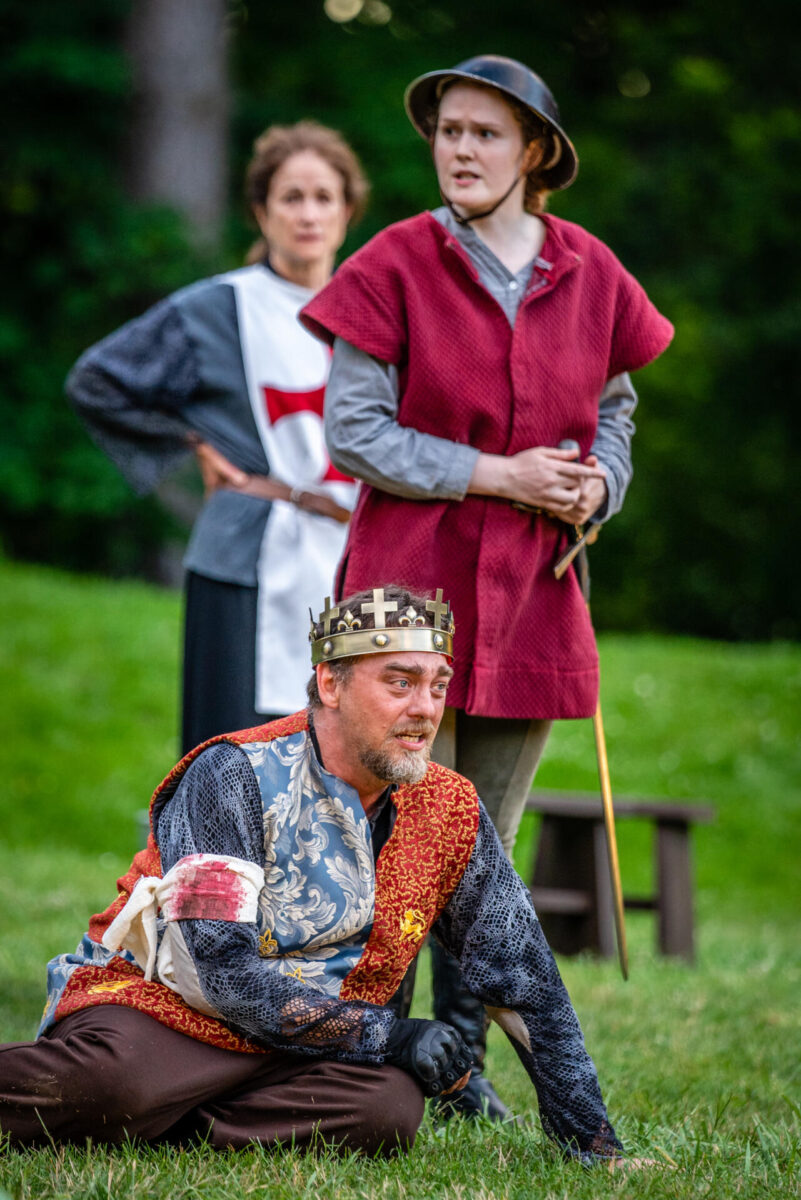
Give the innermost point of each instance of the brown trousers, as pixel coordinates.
(111, 1073)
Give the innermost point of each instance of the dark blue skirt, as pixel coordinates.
(219, 676)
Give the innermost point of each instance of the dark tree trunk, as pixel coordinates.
(178, 149)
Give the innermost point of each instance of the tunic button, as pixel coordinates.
(513, 285)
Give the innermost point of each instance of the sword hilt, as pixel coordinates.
(581, 539)
(584, 537)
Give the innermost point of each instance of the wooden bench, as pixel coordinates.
(570, 882)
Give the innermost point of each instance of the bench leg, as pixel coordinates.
(604, 896)
(674, 890)
(566, 860)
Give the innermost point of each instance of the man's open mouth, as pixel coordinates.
(412, 739)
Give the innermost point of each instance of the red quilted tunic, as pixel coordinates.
(525, 645)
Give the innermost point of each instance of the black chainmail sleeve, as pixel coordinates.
(217, 809)
(491, 927)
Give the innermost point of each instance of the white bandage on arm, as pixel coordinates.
(214, 887)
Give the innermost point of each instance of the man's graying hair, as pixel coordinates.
(342, 667)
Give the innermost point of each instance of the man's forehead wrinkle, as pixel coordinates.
(415, 669)
(407, 668)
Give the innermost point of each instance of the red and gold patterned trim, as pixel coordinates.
(416, 875)
(124, 984)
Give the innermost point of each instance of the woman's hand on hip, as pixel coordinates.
(543, 477)
(215, 469)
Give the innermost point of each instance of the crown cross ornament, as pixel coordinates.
(436, 607)
(345, 635)
(380, 607)
(327, 615)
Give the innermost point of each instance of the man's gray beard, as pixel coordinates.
(409, 768)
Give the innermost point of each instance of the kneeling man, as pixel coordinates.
(236, 989)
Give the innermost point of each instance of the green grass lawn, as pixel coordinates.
(700, 1066)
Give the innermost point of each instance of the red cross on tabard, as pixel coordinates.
(283, 404)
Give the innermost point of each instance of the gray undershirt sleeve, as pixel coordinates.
(365, 439)
(612, 442)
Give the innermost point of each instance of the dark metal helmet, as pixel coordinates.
(512, 79)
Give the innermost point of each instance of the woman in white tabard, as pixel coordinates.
(224, 369)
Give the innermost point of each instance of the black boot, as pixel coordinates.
(458, 1007)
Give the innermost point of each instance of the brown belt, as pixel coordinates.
(268, 488)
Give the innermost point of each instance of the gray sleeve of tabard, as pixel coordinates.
(612, 442)
(130, 389)
(174, 370)
(227, 535)
(365, 439)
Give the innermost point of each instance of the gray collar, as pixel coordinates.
(507, 287)
(478, 249)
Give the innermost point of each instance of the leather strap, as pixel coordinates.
(581, 537)
(266, 487)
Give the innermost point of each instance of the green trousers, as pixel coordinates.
(500, 756)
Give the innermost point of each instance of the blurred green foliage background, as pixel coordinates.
(688, 126)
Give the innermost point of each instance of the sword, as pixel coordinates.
(577, 553)
(611, 839)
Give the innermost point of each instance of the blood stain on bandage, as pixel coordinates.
(207, 891)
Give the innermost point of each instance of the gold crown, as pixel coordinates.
(369, 632)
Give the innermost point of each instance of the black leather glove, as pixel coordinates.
(431, 1051)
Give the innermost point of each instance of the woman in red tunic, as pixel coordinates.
(468, 343)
